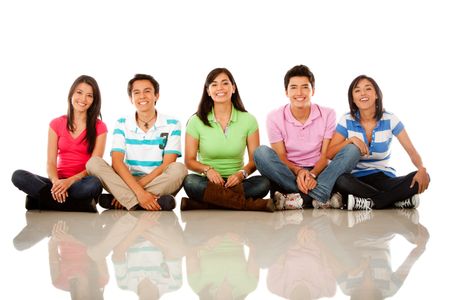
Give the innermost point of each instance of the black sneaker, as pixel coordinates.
(105, 201)
(167, 202)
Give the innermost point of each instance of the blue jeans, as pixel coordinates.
(37, 187)
(269, 164)
(255, 187)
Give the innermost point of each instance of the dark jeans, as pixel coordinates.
(37, 187)
(382, 189)
(254, 187)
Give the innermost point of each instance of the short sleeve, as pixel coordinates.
(273, 130)
(396, 125)
(173, 145)
(101, 128)
(118, 140)
(192, 127)
(253, 124)
(58, 125)
(330, 124)
(341, 127)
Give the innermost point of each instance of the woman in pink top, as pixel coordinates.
(72, 140)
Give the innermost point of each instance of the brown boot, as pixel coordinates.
(232, 198)
(259, 205)
(191, 204)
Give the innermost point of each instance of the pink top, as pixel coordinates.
(303, 142)
(72, 152)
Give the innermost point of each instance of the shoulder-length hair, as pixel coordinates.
(207, 103)
(93, 112)
(378, 103)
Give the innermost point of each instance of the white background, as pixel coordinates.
(46, 44)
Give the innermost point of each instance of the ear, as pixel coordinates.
(313, 91)
(156, 98)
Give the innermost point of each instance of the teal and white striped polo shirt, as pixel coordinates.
(380, 147)
(144, 151)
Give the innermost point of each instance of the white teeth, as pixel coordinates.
(220, 94)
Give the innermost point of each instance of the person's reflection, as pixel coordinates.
(71, 268)
(70, 236)
(147, 251)
(303, 270)
(216, 263)
(368, 273)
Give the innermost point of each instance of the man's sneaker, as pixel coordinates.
(412, 202)
(167, 202)
(319, 204)
(105, 201)
(279, 199)
(359, 216)
(293, 201)
(358, 203)
(336, 200)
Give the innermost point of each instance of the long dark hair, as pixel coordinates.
(378, 103)
(207, 103)
(93, 112)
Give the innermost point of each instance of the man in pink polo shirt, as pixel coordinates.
(299, 134)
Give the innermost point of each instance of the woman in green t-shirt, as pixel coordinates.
(216, 139)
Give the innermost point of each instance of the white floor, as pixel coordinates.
(225, 255)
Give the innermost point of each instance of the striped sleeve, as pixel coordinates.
(118, 141)
(341, 127)
(173, 145)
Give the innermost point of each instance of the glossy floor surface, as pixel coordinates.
(305, 254)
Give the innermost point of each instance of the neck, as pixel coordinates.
(366, 115)
(146, 115)
(301, 114)
(79, 117)
(222, 110)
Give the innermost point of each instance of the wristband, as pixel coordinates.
(205, 171)
(313, 175)
(244, 173)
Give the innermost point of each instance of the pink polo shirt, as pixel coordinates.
(72, 152)
(303, 142)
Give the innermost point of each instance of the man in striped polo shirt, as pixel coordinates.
(146, 145)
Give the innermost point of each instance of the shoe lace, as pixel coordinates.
(362, 203)
(407, 203)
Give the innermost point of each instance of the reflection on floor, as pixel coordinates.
(305, 254)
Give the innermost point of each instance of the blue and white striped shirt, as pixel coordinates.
(379, 148)
(144, 151)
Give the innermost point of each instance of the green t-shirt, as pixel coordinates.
(224, 152)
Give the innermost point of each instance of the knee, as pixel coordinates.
(189, 181)
(18, 177)
(93, 165)
(261, 154)
(178, 172)
(350, 152)
(94, 185)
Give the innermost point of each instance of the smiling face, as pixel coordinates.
(143, 95)
(221, 89)
(364, 95)
(299, 91)
(82, 97)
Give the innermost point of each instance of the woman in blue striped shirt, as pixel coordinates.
(366, 133)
